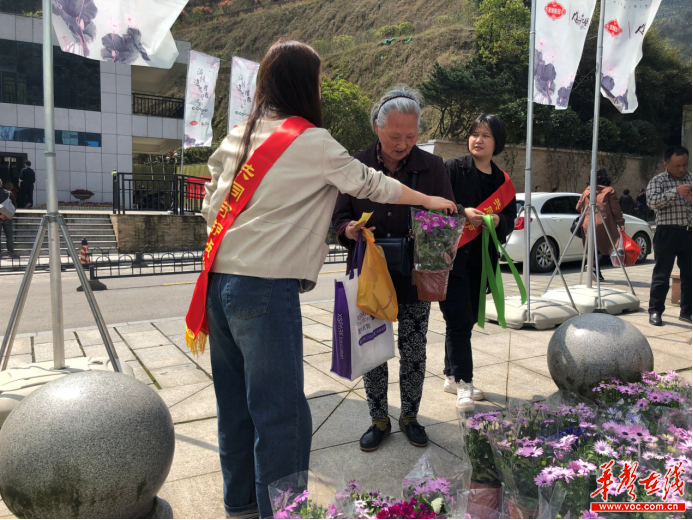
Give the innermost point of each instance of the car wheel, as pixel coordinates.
(645, 246)
(540, 260)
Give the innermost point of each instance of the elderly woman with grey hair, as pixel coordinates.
(395, 119)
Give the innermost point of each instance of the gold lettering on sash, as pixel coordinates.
(236, 191)
(247, 171)
(216, 228)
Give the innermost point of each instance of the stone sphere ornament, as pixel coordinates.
(88, 445)
(588, 348)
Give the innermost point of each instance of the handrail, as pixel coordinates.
(152, 105)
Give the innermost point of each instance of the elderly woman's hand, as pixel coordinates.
(440, 204)
(352, 230)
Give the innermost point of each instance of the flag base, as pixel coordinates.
(613, 301)
(543, 314)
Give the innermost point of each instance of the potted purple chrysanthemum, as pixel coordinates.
(436, 237)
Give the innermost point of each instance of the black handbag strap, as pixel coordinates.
(414, 177)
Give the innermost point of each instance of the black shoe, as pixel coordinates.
(373, 438)
(685, 317)
(656, 319)
(416, 434)
(601, 277)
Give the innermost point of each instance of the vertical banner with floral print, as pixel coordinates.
(241, 90)
(199, 99)
(134, 32)
(625, 25)
(561, 27)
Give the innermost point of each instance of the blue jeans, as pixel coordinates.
(256, 346)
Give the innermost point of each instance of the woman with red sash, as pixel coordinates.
(275, 179)
(480, 188)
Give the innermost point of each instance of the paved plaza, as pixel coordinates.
(508, 364)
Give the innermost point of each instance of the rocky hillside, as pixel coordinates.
(350, 35)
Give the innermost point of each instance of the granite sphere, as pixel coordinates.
(88, 445)
(588, 348)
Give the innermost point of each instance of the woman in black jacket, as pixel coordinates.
(474, 178)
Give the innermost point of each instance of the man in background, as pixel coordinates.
(6, 223)
(27, 179)
(669, 194)
(642, 204)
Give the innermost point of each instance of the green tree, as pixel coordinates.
(502, 33)
(346, 114)
(461, 92)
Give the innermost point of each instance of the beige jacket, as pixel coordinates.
(281, 232)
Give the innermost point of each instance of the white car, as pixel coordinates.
(557, 213)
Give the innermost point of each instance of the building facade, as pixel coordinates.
(104, 112)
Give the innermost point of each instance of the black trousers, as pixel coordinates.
(671, 243)
(26, 195)
(460, 310)
(411, 341)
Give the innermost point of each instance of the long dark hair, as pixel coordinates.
(288, 84)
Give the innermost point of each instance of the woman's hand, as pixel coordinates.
(440, 204)
(352, 230)
(474, 216)
(496, 221)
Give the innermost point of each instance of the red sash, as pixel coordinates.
(495, 203)
(245, 184)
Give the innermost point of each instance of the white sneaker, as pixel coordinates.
(451, 387)
(465, 403)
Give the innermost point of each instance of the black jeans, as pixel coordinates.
(671, 243)
(460, 310)
(6, 226)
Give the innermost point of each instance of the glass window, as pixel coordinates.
(36, 135)
(559, 205)
(77, 81)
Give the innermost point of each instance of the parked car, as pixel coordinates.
(557, 213)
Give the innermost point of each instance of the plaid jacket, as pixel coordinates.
(672, 209)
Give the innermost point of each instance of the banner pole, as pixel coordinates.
(528, 154)
(52, 192)
(591, 245)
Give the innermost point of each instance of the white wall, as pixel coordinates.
(84, 167)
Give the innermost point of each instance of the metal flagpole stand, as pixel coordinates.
(18, 382)
(587, 298)
(540, 313)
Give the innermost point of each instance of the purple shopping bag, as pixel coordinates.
(341, 333)
(341, 329)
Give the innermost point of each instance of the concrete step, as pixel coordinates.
(96, 228)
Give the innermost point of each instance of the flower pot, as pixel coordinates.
(484, 500)
(82, 196)
(432, 286)
(518, 511)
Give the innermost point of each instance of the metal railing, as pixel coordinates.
(178, 194)
(109, 263)
(150, 105)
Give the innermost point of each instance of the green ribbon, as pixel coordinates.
(494, 279)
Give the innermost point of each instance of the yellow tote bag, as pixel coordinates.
(376, 295)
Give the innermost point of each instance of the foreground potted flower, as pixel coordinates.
(436, 237)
